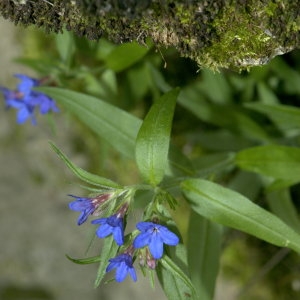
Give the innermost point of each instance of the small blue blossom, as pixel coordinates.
(87, 206)
(154, 236)
(24, 99)
(26, 84)
(13, 99)
(111, 225)
(123, 265)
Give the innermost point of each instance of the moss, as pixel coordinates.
(215, 33)
(241, 40)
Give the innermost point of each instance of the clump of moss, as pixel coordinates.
(215, 33)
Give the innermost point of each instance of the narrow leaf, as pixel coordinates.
(119, 128)
(281, 204)
(85, 261)
(279, 162)
(109, 250)
(152, 144)
(174, 281)
(204, 250)
(231, 209)
(66, 46)
(225, 116)
(114, 125)
(284, 116)
(84, 175)
(125, 55)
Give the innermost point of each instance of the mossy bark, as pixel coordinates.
(215, 33)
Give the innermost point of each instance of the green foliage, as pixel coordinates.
(278, 162)
(231, 209)
(203, 254)
(153, 139)
(175, 282)
(227, 143)
(92, 179)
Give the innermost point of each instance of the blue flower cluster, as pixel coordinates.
(25, 99)
(151, 235)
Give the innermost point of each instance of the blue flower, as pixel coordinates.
(123, 265)
(46, 103)
(154, 236)
(26, 84)
(14, 99)
(111, 225)
(24, 99)
(85, 205)
(25, 110)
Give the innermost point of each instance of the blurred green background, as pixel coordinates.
(36, 227)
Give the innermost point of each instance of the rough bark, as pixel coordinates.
(215, 33)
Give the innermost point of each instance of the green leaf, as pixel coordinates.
(204, 250)
(211, 164)
(215, 86)
(265, 95)
(279, 162)
(285, 117)
(65, 45)
(231, 209)
(152, 143)
(109, 250)
(221, 140)
(43, 67)
(174, 281)
(125, 55)
(224, 116)
(114, 125)
(85, 261)
(84, 175)
(281, 204)
(288, 74)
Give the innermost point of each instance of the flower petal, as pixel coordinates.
(84, 215)
(121, 272)
(99, 221)
(80, 204)
(118, 235)
(156, 246)
(111, 265)
(23, 115)
(104, 230)
(133, 274)
(168, 237)
(142, 240)
(144, 226)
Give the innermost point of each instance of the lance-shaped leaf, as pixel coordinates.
(118, 127)
(286, 117)
(175, 283)
(279, 162)
(125, 55)
(84, 175)
(109, 250)
(85, 261)
(232, 209)
(114, 125)
(203, 253)
(281, 204)
(153, 140)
